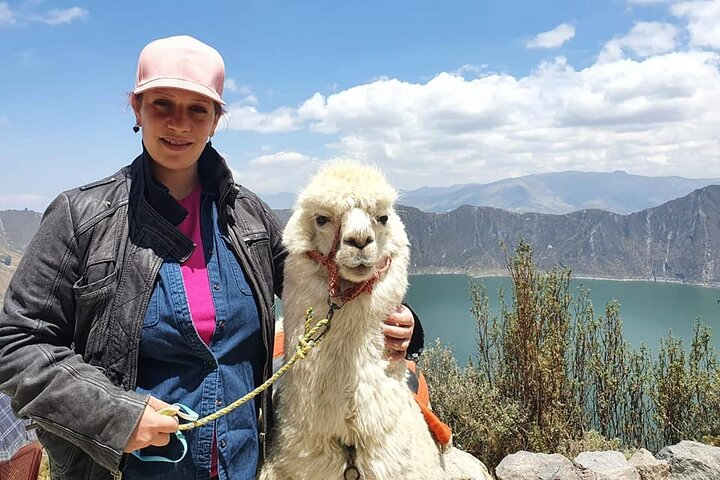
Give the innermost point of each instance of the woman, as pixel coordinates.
(153, 285)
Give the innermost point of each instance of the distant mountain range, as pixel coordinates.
(559, 193)
(676, 241)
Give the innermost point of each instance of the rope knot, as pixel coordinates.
(303, 347)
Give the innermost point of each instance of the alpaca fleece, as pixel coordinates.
(346, 392)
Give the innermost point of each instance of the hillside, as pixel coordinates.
(6, 271)
(676, 241)
(17, 227)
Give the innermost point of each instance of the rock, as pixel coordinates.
(460, 465)
(535, 466)
(605, 466)
(649, 467)
(692, 461)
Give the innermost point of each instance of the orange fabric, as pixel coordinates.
(423, 394)
(278, 348)
(439, 430)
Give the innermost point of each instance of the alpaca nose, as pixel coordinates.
(358, 242)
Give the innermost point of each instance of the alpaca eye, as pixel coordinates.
(321, 220)
(382, 219)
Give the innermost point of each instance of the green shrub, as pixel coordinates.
(592, 441)
(551, 376)
(483, 423)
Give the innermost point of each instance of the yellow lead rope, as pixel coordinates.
(305, 344)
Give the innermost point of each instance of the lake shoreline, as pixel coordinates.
(649, 310)
(475, 273)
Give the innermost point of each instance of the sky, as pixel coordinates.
(435, 93)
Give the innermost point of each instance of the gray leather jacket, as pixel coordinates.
(72, 316)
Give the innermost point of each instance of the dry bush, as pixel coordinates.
(482, 422)
(592, 441)
(551, 376)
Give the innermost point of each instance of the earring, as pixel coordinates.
(136, 127)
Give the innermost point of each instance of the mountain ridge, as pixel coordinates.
(559, 192)
(676, 241)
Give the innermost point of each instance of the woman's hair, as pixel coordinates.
(135, 99)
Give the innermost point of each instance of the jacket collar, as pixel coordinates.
(160, 211)
(215, 177)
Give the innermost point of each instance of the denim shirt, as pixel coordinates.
(175, 365)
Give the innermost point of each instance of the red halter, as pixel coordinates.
(350, 293)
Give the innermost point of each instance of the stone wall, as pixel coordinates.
(684, 461)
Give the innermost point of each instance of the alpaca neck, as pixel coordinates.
(353, 339)
(355, 333)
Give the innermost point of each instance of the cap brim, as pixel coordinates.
(181, 84)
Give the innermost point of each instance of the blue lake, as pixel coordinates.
(648, 310)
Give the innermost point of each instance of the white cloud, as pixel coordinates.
(250, 100)
(553, 38)
(703, 19)
(55, 16)
(231, 85)
(648, 105)
(261, 173)
(643, 40)
(247, 117)
(7, 17)
(656, 115)
(471, 70)
(280, 159)
(58, 16)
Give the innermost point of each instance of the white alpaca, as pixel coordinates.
(345, 411)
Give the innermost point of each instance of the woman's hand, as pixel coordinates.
(398, 330)
(153, 428)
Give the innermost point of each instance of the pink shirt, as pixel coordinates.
(194, 270)
(197, 284)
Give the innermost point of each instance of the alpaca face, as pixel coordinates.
(352, 203)
(362, 240)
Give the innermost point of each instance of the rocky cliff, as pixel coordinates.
(17, 227)
(676, 241)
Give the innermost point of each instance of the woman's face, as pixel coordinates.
(176, 125)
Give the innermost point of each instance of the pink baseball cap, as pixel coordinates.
(181, 62)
